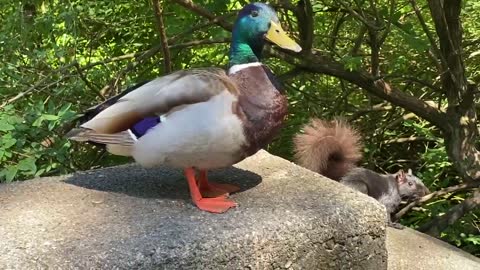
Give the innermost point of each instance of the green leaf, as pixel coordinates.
(10, 173)
(37, 122)
(474, 54)
(8, 142)
(14, 119)
(4, 126)
(64, 109)
(40, 172)
(50, 117)
(473, 239)
(352, 62)
(27, 164)
(415, 42)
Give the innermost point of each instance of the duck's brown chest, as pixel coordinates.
(261, 106)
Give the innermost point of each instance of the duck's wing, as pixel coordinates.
(91, 112)
(160, 96)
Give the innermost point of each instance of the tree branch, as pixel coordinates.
(215, 20)
(361, 18)
(305, 22)
(439, 224)
(429, 36)
(468, 99)
(199, 42)
(336, 28)
(33, 87)
(415, 80)
(435, 194)
(358, 41)
(375, 53)
(205, 13)
(322, 64)
(409, 139)
(158, 9)
(381, 107)
(389, 22)
(113, 84)
(87, 83)
(450, 53)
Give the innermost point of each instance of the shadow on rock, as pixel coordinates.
(162, 182)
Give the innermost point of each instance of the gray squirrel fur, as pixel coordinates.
(333, 149)
(388, 189)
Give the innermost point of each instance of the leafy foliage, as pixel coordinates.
(61, 55)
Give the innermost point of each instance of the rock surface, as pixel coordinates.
(128, 217)
(409, 249)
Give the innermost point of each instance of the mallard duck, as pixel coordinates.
(204, 118)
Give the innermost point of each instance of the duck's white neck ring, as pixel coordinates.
(236, 68)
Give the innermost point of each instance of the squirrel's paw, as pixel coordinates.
(396, 225)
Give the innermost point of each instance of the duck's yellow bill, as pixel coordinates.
(276, 35)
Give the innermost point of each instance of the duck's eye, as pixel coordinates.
(254, 13)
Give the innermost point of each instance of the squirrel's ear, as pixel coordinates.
(410, 172)
(400, 176)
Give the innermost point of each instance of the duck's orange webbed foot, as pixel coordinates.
(213, 190)
(215, 205)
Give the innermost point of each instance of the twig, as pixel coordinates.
(435, 194)
(376, 108)
(158, 8)
(205, 13)
(389, 22)
(139, 59)
(439, 224)
(289, 74)
(429, 35)
(113, 59)
(358, 16)
(199, 42)
(358, 41)
(215, 20)
(375, 51)
(87, 83)
(400, 120)
(32, 88)
(336, 29)
(409, 139)
(373, 6)
(415, 80)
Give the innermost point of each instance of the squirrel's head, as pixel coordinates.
(410, 186)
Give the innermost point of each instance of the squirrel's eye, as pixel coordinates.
(254, 13)
(410, 183)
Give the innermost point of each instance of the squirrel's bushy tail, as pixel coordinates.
(330, 148)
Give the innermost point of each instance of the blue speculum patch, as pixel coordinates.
(142, 127)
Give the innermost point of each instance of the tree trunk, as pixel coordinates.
(462, 131)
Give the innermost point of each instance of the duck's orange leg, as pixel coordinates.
(212, 189)
(214, 205)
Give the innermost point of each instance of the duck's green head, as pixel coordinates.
(256, 23)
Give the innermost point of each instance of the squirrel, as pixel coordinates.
(333, 149)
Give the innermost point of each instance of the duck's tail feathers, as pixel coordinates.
(118, 143)
(330, 148)
(120, 150)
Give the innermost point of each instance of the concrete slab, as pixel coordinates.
(128, 217)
